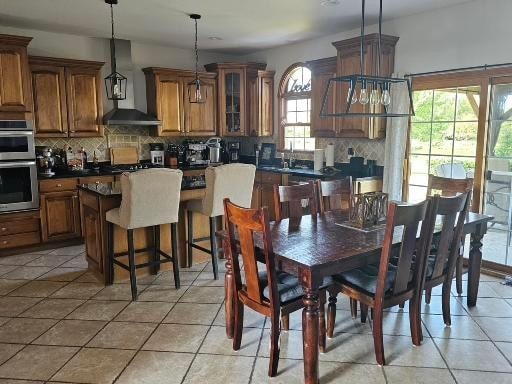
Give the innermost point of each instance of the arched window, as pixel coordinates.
(295, 109)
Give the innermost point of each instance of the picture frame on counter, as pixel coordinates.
(267, 154)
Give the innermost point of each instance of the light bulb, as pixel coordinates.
(386, 97)
(374, 96)
(116, 90)
(354, 97)
(198, 93)
(363, 95)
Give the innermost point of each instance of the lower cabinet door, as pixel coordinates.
(92, 236)
(60, 216)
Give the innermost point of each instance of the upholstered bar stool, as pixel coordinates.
(150, 198)
(232, 181)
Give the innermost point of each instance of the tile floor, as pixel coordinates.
(58, 324)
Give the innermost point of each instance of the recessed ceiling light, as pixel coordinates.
(329, 3)
(214, 38)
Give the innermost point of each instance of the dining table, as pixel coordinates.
(317, 246)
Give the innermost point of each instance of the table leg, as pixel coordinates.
(310, 331)
(475, 262)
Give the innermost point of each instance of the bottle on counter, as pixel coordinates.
(95, 162)
(84, 157)
(69, 155)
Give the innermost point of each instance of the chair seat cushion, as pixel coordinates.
(112, 216)
(288, 286)
(365, 278)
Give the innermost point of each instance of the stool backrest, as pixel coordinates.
(150, 197)
(232, 181)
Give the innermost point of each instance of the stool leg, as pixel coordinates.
(190, 230)
(213, 246)
(156, 249)
(110, 277)
(131, 264)
(175, 255)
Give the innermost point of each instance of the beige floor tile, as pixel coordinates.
(13, 306)
(36, 362)
(344, 323)
(435, 307)
(8, 350)
(473, 355)
(78, 290)
(18, 259)
(117, 292)
(397, 324)
(10, 381)
(189, 313)
(399, 350)
(292, 372)
(498, 328)
(4, 320)
(62, 274)
(474, 377)
(7, 285)
(506, 349)
(122, 335)
(211, 369)
(503, 291)
(290, 344)
(252, 319)
(485, 289)
(76, 262)
(139, 311)
(73, 250)
(163, 293)
(176, 338)
(27, 273)
(20, 330)
(52, 308)
(199, 265)
(217, 343)
(210, 282)
(463, 327)
(98, 310)
(49, 261)
(490, 307)
(406, 375)
(38, 288)
(167, 277)
(70, 333)
(7, 268)
(203, 295)
(90, 277)
(93, 365)
(149, 367)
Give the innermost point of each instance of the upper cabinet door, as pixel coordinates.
(321, 71)
(266, 104)
(201, 119)
(49, 93)
(232, 102)
(15, 95)
(85, 109)
(169, 91)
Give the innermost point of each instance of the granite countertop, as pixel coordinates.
(114, 189)
(305, 172)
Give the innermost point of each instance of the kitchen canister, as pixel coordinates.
(318, 159)
(329, 155)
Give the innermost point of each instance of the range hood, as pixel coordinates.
(123, 111)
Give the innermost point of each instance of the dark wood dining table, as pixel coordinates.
(317, 246)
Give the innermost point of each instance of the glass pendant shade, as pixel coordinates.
(115, 86)
(196, 92)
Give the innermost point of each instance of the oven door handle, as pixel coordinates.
(16, 133)
(14, 164)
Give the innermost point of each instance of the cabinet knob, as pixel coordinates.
(3, 229)
(59, 185)
(4, 242)
(97, 181)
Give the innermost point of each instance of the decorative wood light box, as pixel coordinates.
(368, 209)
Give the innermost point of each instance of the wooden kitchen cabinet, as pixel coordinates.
(348, 63)
(19, 229)
(15, 89)
(67, 97)
(60, 216)
(167, 100)
(263, 191)
(260, 103)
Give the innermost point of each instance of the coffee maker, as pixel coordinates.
(156, 153)
(234, 151)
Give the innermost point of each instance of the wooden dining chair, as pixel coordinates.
(290, 199)
(271, 292)
(449, 187)
(386, 285)
(441, 265)
(335, 194)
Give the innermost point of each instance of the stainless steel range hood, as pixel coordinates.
(124, 112)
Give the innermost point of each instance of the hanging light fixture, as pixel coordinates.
(374, 91)
(196, 89)
(115, 83)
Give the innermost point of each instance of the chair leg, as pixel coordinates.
(331, 314)
(239, 323)
(110, 228)
(131, 264)
(364, 313)
(321, 323)
(353, 308)
(378, 338)
(175, 255)
(213, 246)
(458, 273)
(156, 249)
(285, 322)
(446, 302)
(428, 295)
(274, 346)
(401, 305)
(190, 234)
(415, 321)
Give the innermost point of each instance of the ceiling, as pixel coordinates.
(242, 25)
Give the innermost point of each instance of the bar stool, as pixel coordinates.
(151, 198)
(232, 181)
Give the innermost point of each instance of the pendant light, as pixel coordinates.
(374, 91)
(196, 89)
(115, 83)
